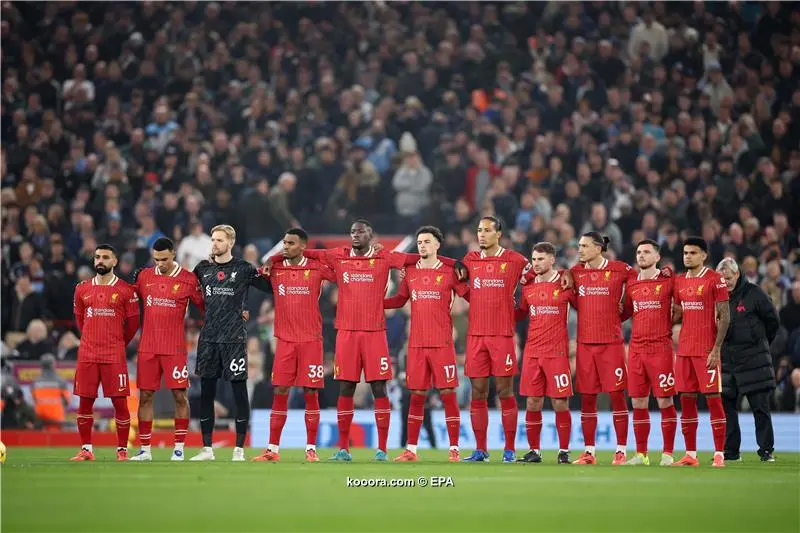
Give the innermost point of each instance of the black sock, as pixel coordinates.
(242, 411)
(208, 393)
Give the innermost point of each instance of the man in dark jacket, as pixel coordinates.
(746, 362)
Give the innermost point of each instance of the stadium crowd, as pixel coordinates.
(125, 122)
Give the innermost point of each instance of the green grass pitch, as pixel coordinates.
(41, 491)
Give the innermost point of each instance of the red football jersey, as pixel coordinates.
(165, 298)
(649, 303)
(431, 291)
(296, 290)
(698, 297)
(362, 281)
(598, 293)
(101, 312)
(547, 306)
(493, 281)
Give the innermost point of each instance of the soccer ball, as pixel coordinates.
(2, 453)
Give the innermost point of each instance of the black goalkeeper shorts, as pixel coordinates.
(222, 360)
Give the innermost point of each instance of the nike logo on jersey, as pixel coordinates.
(206, 275)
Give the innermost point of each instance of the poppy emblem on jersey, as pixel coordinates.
(175, 288)
(607, 274)
(439, 279)
(293, 275)
(114, 297)
(542, 295)
(220, 275)
(490, 268)
(426, 280)
(594, 276)
(306, 273)
(162, 287)
(740, 308)
(700, 290)
(503, 267)
(645, 292)
(658, 289)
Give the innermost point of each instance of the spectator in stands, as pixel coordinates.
(36, 343)
(194, 247)
(280, 199)
(26, 305)
(412, 183)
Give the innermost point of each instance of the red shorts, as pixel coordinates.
(362, 350)
(490, 356)
(545, 376)
(113, 377)
(691, 375)
(438, 363)
(298, 364)
(651, 367)
(600, 368)
(150, 367)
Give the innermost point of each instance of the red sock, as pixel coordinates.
(277, 418)
(564, 428)
(416, 412)
(689, 422)
(533, 427)
(344, 417)
(312, 418)
(479, 416)
(509, 416)
(669, 426)
(619, 413)
(641, 429)
(145, 432)
(383, 417)
(122, 417)
(452, 417)
(85, 420)
(718, 422)
(589, 418)
(181, 429)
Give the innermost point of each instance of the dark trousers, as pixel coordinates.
(759, 404)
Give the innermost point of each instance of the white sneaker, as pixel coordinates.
(177, 455)
(666, 459)
(238, 454)
(206, 455)
(141, 456)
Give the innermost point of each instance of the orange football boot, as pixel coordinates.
(619, 459)
(454, 457)
(268, 457)
(122, 454)
(719, 461)
(311, 456)
(687, 460)
(406, 457)
(83, 455)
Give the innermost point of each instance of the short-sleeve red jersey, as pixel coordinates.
(296, 290)
(547, 307)
(649, 303)
(698, 297)
(101, 312)
(493, 281)
(165, 298)
(597, 295)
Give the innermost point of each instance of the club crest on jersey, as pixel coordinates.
(306, 274)
(556, 292)
(220, 275)
(336, 371)
(439, 279)
(503, 267)
(233, 276)
(175, 288)
(607, 275)
(114, 297)
(372, 262)
(658, 289)
(700, 290)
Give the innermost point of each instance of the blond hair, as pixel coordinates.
(227, 230)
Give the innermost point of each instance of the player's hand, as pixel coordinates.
(245, 315)
(266, 268)
(377, 247)
(666, 272)
(621, 307)
(713, 359)
(402, 274)
(567, 282)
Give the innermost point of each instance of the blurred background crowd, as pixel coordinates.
(123, 122)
